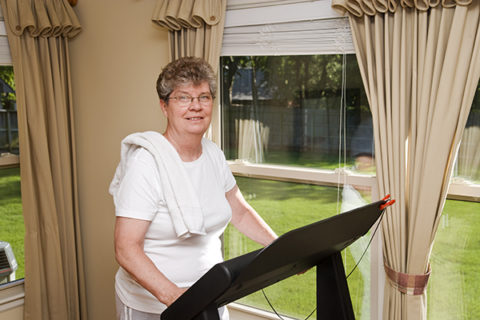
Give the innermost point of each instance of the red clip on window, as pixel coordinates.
(387, 203)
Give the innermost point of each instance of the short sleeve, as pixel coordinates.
(226, 176)
(139, 195)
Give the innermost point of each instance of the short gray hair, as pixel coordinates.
(182, 71)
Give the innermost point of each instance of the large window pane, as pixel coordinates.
(286, 206)
(292, 110)
(296, 110)
(8, 111)
(453, 288)
(12, 229)
(468, 161)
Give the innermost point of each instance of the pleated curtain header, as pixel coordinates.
(372, 7)
(190, 14)
(41, 18)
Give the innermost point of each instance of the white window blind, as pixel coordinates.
(294, 28)
(5, 58)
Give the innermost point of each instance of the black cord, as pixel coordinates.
(311, 313)
(279, 316)
(368, 246)
(354, 267)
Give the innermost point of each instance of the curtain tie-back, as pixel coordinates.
(411, 284)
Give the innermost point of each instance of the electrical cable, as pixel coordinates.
(354, 267)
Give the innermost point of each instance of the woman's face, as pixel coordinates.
(187, 116)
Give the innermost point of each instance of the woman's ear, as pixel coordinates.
(164, 106)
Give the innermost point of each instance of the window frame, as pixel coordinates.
(245, 12)
(283, 13)
(11, 293)
(248, 12)
(9, 160)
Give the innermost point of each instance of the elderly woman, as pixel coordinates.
(174, 195)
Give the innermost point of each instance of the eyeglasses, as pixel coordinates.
(186, 99)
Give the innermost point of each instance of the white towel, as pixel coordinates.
(181, 200)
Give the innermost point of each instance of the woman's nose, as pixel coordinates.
(195, 104)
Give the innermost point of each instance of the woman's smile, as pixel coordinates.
(195, 118)
(186, 113)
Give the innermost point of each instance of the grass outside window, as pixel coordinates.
(286, 206)
(12, 228)
(453, 287)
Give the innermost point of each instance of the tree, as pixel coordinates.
(7, 88)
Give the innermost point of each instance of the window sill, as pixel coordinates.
(8, 160)
(301, 174)
(458, 189)
(242, 312)
(12, 295)
(464, 191)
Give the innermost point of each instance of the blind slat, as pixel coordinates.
(322, 36)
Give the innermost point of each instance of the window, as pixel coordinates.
(296, 128)
(453, 286)
(11, 219)
(467, 166)
(12, 229)
(289, 205)
(286, 112)
(8, 112)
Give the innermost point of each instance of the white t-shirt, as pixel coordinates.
(182, 261)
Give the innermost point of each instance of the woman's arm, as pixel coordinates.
(247, 220)
(129, 237)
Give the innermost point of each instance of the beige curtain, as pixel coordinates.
(359, 8)
(195, 27)
(252, 138)
(420, 64)
(38, 34)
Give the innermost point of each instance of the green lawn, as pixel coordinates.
(453, 288)
(305, 159)
(286, 206)
(11, 219)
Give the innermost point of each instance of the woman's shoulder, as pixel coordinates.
(147, 135)
(210, 146)
(212, 150)
(142, 157)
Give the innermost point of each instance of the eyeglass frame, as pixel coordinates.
(186, 103)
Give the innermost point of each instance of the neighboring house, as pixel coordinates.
(8, 119)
